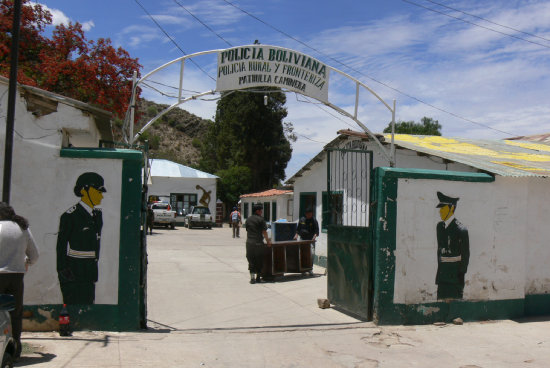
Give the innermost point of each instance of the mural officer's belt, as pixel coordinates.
(451, 259)
(81, 253)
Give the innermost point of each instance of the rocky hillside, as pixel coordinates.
(176, 136)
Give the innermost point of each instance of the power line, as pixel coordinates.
(474, 24)
(489, 21)
(367, 76)
(328, 112)
(309, 139)
(204, 24)
(172, 40)
(173, 87)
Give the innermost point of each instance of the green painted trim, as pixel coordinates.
(130, 290)
(97, 317)
(127, 314)
(124, 154)
(384, 247)
(384, 309)
(537, 305)
(447, 311)
(301, 208)
(392, 172)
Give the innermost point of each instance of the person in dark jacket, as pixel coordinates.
(78, 242)
(256, 232)
(308, 227)
(453, 251)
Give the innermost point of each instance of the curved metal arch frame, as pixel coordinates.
(129, 136)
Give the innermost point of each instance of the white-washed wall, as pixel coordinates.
(44, 206)
(537, 240)
(315, 179)
(508, 257)
(42, 190)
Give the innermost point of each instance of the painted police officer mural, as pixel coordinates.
(78, 241)
(453, 250)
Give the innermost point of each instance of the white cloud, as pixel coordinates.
(58, 17)
(86, 26)
(212, 12)
(476, 74)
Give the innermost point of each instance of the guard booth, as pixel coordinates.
(350, 236)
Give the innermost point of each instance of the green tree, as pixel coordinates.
(233, 182)
(247, 132)
(428, 126)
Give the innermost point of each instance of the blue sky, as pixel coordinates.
(476, 82)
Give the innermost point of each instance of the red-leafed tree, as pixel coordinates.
(67, 63)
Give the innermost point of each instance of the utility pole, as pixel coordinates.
(10, 119)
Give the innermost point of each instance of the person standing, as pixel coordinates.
(150, 220)
(308, 227)
(235, 217)
(453, 251)
(17, 251)
(78, 241)
(256, 229)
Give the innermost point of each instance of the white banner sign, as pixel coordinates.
(259, 65)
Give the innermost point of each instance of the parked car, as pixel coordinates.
(163, 214)
(199, 216)
(7, 303)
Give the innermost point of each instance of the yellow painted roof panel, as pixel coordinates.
(502, 157)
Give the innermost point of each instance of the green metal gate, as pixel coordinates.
(350, 245)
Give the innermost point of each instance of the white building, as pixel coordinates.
(278, 204)
(512, 161)
(181, 186)
(57, 139)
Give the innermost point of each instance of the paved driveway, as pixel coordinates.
(202, 312)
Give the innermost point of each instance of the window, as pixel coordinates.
(332, 211)
(266, 211)
(273, 211)
(307, 200)
(245, 211)
(182, 202)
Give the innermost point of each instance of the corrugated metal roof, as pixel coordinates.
(501, 157)
(541, 138)
(172, 169)
(267, 193)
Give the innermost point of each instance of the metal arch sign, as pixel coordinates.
(258, 65)
(262, 65)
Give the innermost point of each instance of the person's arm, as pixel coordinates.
(297, 231)
(267, 240)
(31, 251)
(315, 230)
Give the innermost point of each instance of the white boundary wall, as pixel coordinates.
(506, 222)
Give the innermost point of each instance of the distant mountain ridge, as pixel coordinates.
(176, 136)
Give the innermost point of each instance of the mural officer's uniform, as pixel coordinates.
(78, 242)
(453, 251)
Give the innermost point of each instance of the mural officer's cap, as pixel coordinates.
(446, 200)
(89, 179)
